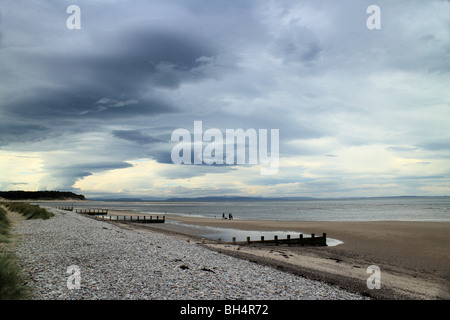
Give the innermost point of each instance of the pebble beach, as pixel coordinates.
(118, 263)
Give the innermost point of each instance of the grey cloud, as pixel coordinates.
(300, 45)
(189, 171)
(77, 104)
(402, 149)
(307, 68)
(68, 174)
(85, 169)
(18, 132)
(109, 84)
(138, 137)
(418, 177)
(102, 166)
(443, 145)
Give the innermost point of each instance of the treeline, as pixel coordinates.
(40, 195)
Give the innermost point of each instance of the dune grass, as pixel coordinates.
(4, 226)
(12, 284)
(29, 211)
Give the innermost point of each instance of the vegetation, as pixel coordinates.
(12, 284)
(40, 195)
(4, 226)
(29, 211)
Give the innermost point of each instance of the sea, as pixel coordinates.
(362, 209)
(359, 209)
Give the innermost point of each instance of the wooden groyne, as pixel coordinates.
(65, 208)
(132, 218)
(92, 211)
(85, 211)
(102, 214)
(313, 240)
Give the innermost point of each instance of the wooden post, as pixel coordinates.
(276, 240)
(262, 238)
(289, 239)
(248, 240)
(234, 240)
(312, 235)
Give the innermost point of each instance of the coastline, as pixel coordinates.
(413, 256)
(114, 262)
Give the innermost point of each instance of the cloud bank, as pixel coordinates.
(360, 112)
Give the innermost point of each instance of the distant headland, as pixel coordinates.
(40, 195)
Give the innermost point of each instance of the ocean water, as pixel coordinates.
(367, 209)
(227, 234)
(372, 209)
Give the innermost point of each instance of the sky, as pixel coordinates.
(360, 111)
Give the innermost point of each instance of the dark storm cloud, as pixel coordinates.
(143, 60)
(18, 132)
(109, 78)
(78, 104)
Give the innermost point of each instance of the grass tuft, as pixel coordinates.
(29, 211)
(4, 226)
(12, 284)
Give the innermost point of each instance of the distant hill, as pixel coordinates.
(119, 199)
(233, 198)
(202, 199)
(40, 195)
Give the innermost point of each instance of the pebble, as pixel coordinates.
(116, 263)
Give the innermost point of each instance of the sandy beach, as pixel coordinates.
(413, 257)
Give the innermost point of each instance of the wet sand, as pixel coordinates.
(414, 257)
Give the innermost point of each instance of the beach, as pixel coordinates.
(130, 260)
(413, 257)
(76, 257)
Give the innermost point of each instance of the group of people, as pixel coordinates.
(230, 216)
